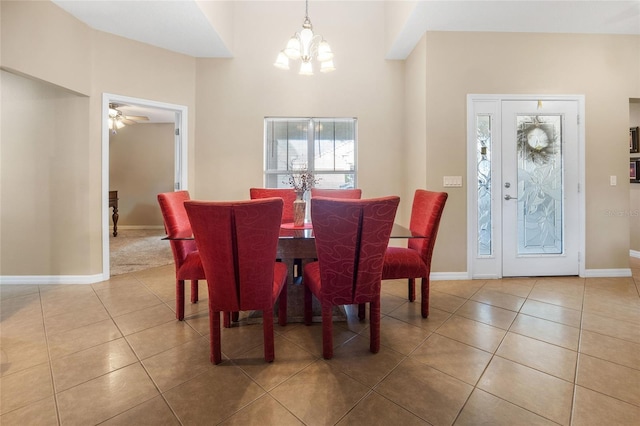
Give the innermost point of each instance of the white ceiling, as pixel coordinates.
(181, 26)
(560, 16)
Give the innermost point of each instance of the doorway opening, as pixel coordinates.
(180, 172)
(525, 168)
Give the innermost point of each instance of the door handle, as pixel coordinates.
(509, 197)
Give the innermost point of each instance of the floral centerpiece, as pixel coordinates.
(302, 180)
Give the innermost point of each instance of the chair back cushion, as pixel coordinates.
(355, 194)
(351, 239)
(176, 224)
(425, 219)
(237, 242)
(288, 195)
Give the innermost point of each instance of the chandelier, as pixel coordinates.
(305, 46)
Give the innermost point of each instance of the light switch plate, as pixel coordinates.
(452, 181)
(613, 180)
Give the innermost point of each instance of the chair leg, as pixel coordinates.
(374, 319)
(267, 330)
(362, 311)
(230, 317)
(412, 289)
(214, 337)
(307, 306)
(327, 331)
(282, 306)
(180, 300)
(194, 291)
(425, 297)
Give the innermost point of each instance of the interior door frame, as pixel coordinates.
(490, 266)
(180, 163)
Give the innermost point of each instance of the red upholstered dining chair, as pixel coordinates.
(237, 241)
(288, 195)
(351, 239)
(414, 261)
(354, 194)
(185, 254)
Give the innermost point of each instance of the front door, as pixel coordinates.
(524, 176)
(540, 214)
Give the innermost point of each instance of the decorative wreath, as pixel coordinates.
(537, 141)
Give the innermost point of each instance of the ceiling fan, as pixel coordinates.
(117, 120)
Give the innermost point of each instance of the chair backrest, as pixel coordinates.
(176, 224)
(351, 240)
(354, 194)
(288, 195)
(237, 241)
(425, 219)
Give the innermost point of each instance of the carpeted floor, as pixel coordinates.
(137, 249)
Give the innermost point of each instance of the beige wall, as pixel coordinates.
(44, 164)
(415, 130)
(45, 42)
(606, 69)
(141, 165)
(235, 95)
(40, 40)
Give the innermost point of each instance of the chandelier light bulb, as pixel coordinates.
(324, 52)
(327, 66)
(306, 46)
(306, 68)
(282, 61)
(293, 48)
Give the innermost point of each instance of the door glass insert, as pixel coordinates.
(483, 144)
(540, 184)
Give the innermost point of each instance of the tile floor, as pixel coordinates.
(503, 352)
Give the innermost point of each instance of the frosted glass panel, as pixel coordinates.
(483, 143)
(540, 185)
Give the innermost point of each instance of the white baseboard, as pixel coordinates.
(449, 276)
(634, 253)
(604, 273)
(486, 277)
(92, 279)
(51, 279)
(589, 273)
(124, 227)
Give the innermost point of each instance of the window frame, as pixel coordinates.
(311, 123)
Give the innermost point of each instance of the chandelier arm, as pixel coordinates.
(313, 45)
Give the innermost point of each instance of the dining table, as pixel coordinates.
(296, 248)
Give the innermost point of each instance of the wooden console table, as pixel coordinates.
(113, 203)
